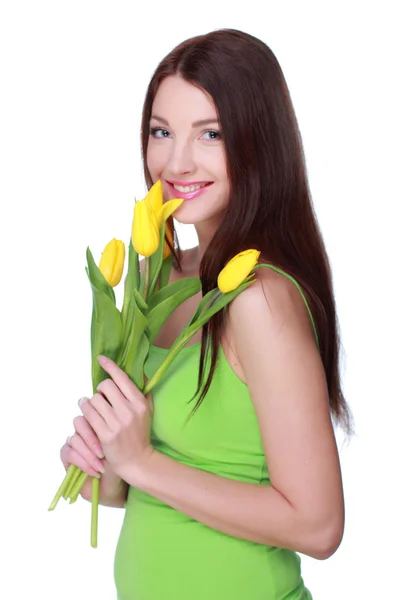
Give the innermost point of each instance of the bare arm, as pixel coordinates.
(113, 491)
(303, 509)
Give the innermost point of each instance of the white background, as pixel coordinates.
(73, 78)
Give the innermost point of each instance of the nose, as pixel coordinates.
(181, 160)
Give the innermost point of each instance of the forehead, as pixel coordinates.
(176, 99)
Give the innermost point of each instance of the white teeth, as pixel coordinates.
(188, 188)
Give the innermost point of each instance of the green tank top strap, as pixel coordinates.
(292, 279)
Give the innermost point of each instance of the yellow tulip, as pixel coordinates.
(145, 231)
(236, 270)
(149, 216)
(112, 261)
(162, 211)
(155, 196)
(168, 236)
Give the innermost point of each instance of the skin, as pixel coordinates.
(269, 343)
(181, 151)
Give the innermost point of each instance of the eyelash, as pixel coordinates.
(154, 130)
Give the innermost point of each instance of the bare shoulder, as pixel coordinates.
(273, 305)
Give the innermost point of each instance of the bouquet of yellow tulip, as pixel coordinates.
(125, 336)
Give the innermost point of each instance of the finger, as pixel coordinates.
(79, 445)
(88, 435)
(121, 379)
(94, 418)
(113, 394)
(105, 410)
(69, 456)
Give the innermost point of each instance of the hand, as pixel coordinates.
(83, 449)
(121, 418)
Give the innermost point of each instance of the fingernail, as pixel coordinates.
(81, 400)
(100, 467)
(99, 451)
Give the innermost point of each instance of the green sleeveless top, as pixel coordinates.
(163, 554)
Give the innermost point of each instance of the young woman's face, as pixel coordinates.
(186, 152)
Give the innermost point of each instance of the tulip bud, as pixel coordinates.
(112, 261)
(145, 231)
(236, 270)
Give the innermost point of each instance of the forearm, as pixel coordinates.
(113, 491)
(254, 512)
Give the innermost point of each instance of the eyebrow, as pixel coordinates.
(195, 124)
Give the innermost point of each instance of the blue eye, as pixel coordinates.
(157, 130)
(214, 135)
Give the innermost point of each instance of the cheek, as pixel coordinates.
(156, 158)
(219, 166)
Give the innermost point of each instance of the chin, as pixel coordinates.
(191, 217)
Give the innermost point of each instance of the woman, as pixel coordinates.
(234, 473)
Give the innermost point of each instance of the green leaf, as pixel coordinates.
(133, 354)
(204, 304)
(134, 365)
(97, 278)
(222, 301)
(131, 283)
(92, 325)
(190, 330)
(166, 270)
(192, 283)
(106, 333)
(140, 302)
(166, 300)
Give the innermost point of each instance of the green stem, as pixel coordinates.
(146, 278)
(74, 479)
(78, 485)
(176, 347)
(95, 511)
(63, 487)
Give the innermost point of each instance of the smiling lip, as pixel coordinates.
(184, 183)
(188, 195)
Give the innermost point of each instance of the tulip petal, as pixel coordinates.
(237, 269)
(167, 209)
(119, 263)
(145, 232)
(155, 196)
(112, 261)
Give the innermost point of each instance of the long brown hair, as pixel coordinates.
(270, 205)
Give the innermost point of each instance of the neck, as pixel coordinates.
(205, 232)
